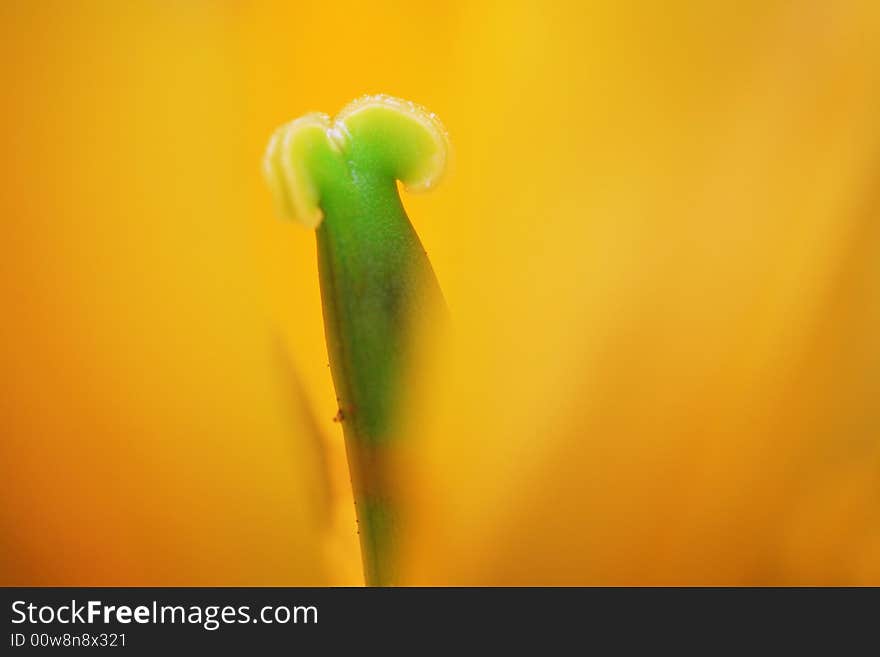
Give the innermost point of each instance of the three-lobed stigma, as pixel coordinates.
(397, 138)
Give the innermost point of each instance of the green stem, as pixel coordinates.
(375, 279)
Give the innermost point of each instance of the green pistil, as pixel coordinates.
(339, 176)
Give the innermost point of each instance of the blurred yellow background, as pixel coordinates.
(660, 243)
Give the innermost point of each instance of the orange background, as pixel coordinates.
(659, 241)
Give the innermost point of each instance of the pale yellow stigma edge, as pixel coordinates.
(294, 191)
